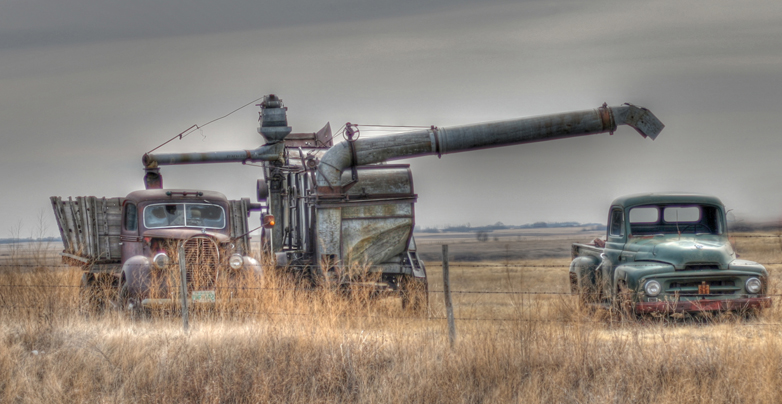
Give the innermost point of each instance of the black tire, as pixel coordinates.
(623, 301)
(95, 293)
(128, 304)
(87, 300)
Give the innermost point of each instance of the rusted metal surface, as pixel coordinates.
(704, 305)
(374, 222)
(320, 139)
(268, 152)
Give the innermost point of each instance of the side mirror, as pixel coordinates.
(267, 221)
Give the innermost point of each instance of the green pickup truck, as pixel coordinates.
(667, 253)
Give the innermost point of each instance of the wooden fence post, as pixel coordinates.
(447, 294)
(183, 284)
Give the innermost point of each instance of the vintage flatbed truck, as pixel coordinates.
(129, 247)
(667, 253)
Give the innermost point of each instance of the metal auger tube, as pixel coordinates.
(439, 141)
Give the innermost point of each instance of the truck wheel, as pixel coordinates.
(414, 293)
(88, 304)
(128, 304)
(94, 293)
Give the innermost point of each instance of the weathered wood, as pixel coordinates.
(447, 294)
(90, 226)
(183, 284)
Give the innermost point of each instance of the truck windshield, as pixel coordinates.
(184, 215)
(675, 219)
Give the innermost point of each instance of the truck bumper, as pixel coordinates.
(690, 306)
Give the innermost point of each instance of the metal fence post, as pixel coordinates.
(447, 294)
(183, 284)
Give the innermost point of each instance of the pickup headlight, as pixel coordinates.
(160, 260)
(753, 285)
(652, 288)
(236, 261)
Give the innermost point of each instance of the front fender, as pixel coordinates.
(633, 273)
(582, 269)
(253, 266)
(137, 274)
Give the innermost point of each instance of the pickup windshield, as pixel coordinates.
(675, 219)
(184, 215)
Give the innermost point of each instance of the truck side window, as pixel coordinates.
(617, 223)
(131, 217)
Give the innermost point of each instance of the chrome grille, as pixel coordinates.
(201, 258)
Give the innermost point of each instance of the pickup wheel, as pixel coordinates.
(623, 301)
(587, 294)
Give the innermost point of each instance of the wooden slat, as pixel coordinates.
(90, 226)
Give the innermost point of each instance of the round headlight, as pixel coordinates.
(652, 288)
(236, 261)
(160, 260)
(753, 285)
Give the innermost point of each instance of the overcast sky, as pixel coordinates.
(88, 86)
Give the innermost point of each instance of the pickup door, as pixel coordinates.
(615, 242)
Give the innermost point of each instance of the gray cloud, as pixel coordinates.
(103, 83)
(57, 23)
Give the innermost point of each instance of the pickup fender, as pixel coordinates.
(253, 266)
(633, 273)
(582, 274)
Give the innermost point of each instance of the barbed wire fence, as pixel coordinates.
(525, 301)
(528, 301)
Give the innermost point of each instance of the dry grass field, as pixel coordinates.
(298, 346)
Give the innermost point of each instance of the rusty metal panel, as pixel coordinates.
(371, 241)
(379, 180)
(374, 222)
(329, 228)
(389, 210)
(316, 140)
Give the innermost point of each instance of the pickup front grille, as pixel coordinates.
(201, 258)
(701, 267)
(691, 288)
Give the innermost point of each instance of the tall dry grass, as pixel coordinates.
(288, 345)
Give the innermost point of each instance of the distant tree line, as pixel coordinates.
(28, 240)
(501, 226)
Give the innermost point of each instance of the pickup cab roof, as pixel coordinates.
(178, 194)
(629, 201)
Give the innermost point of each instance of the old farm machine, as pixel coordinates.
(330, 207)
